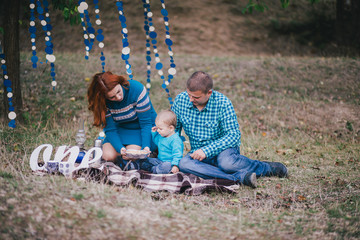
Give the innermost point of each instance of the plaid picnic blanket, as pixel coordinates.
(173, 183)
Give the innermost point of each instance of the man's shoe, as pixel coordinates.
(250, 180)
(277, 169)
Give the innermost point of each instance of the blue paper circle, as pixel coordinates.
(32, 29)
(34, 59)
(159, 66)
(7, 83)
(122, 18)
(164, 12)
(100, 37)
(49, 50)
(168, 42)
(153, 34)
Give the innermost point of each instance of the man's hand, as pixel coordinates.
(175, 169)
(198, 155)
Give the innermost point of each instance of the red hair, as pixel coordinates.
(100, 85)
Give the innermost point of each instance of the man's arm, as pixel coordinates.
(231, 138)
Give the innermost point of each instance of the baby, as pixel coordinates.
(169, 144)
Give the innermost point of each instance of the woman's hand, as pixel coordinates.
(123, 154)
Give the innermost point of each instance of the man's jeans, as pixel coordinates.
(155, 165)
(229, 164)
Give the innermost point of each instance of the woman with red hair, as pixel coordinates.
(123, 108)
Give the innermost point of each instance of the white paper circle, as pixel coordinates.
(149, 14)
(32, 23)
(32, 40)
(101, 45)
(157, 59)
(6, 76)
(9, 95)
(48, 33)
(148, 85)
(155, 50)
(125, 50)
(32, 6)
(50, 57)
(166, 23)
(102, 134)
(3, 61)
(127, 66)
(148, 67)
(97, 10)
(170, 53)
(43, 22)
(125, 30)
(166, 82)
(86, 36)
(12, 115)
(152, 28)
(47, 38)
(47, 14)
(53, 83)
(92, 35)
(160, 72)
(87, 48)
(172, 71)
(168, 36)
(33, 48)
(98, 22)
(82, 7)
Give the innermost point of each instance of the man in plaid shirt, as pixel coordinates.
(209, 120)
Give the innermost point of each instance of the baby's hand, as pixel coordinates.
(154, 129)
(175, 169)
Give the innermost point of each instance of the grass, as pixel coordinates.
(303, 112)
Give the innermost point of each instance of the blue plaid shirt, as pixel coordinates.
(213, 129)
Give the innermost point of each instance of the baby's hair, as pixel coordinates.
(168, 117)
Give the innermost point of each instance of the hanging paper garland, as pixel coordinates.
(32, 30)
(81, 9)
(7, 86)
(126, 49)
(89, 31)
(151, 33)
(46, 26)
(100, 36)
(169, 43)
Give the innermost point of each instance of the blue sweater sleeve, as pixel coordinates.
(177, 151)
(144, 113)
(111, 133)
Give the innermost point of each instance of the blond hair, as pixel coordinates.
(168, 117)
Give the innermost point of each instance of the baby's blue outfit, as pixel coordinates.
(170, 152)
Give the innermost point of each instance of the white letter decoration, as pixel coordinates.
(91, 159)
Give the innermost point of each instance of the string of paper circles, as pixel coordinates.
(151, 40)
(8, 86)
(89, 31)
(44, 18)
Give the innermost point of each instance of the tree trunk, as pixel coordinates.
(348, 22)
(12, 56)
